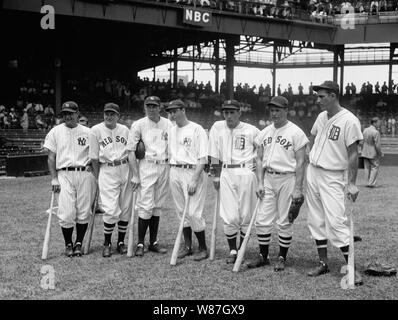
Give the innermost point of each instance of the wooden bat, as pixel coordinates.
(242, 250)
(173, 260)
(131, 229)
(48, 229)
(348, 281)
(94, 207)
(214, 227)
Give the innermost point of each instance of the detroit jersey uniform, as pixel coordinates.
(326, 175)
(238, 182)
(115, 192)
(71, 147)
(279, 165)
(186, 146)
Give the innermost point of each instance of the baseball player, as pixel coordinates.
(233, 154)
(280, 175)
(151, 174)
(188, 156)
(109, 156)
(334, 150)
(371, 152)
(71, 175)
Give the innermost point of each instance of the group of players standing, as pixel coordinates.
(249, 164)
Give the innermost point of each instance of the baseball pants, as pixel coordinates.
(115, 192)
(276, 203)
(326, 205)
(237, 198)
(179, 181)
(75, 198)
(153, 190)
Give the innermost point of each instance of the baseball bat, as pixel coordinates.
(48, 229)
(131, 229)
(174, 254)
(351, 267)
(214, 227)
(242, 250)
(94, 207)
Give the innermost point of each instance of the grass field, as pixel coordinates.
(23, 222)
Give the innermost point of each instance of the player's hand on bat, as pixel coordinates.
(192, 187)
(216, 183)
(135, 182)
(260, 191)
(56, 187)
(352, 192)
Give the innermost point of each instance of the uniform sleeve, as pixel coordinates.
(49, 142)
(134, 136)
(256, 135)
(353, 132)
(299, 140)
(314, 129)
(93, 152)
(203, 143)
(214, 150)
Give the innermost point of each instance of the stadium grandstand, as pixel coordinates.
(99, 58)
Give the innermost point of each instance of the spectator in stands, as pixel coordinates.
(348, 89)
(383, 5)
(39, 108)
(359, 8)
(310, 90)
(40, 124)
(384, 88)
(279, 90)
(2, 115)
(300, 89)
(83, 121)
(6, 121)
(369, 88)
(14, 119)
(353, 89)
(25, 121)
(377, 87)
(374, 7)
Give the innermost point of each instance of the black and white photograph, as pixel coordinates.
(199, 158)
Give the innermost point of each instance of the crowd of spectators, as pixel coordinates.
(33, 110)
(314, 10)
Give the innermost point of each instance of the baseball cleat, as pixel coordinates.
(201, 255)
(156, 248)
(69, 250)
(232, 257)
(107, 251)
(259, 262)
(77, 250)
(280, 265)
(185, 251)
(319, 270)
(139, 252)
(121, 248)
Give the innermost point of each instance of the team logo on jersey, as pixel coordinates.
(164, 135)
(240, 142)
(279, 139)
(334, 133)
(187, 142)
(81, 141)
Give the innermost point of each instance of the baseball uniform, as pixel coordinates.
(326, 176)
(236, 150)
(279, 146)
(71, 149)
(109, 147)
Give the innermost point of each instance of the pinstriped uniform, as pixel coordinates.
(115, 190)
(154, 177)
(186, 146)
(77, 187)
(326, 176)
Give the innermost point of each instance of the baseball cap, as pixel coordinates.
(231, 104)
(327, 85)
(175, 104)
(112, 107)
(69, 106)
(279, 101)
(154, 100)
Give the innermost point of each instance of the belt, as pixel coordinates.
(117, 162)
(157, 161)
(184, 166)
(274, 172)
(73, 169)
(242, 165)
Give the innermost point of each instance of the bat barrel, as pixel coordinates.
(48, 229)
(131, 229)
(173, 260)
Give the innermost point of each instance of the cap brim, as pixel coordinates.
(152, 104)
(230, 107)
(317, 88)
(109, 109)
(68, 110)
(277, 105)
